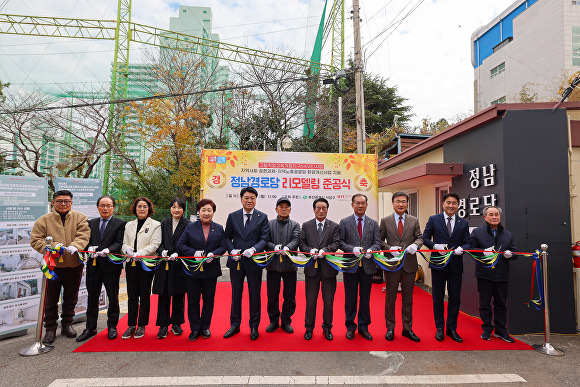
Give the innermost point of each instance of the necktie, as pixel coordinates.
(320, 229)
(449, 229)
(103, 226)
(400, 226)
(248, 219)
(360, 228)
(494, 232)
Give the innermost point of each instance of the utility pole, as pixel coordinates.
(361, 143)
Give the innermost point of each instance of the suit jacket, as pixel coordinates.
(193, 240)
(112, 240)
(173, 274)
(411, 234)
(148, 239)
(254, 235)
(329, 241)
(371, 239)
(436, 229)
(75, 233)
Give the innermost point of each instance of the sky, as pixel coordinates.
(425, 51)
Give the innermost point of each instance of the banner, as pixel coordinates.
(85, 193)
(22, 201)
(299, 176)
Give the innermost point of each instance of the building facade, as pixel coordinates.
(533, 44)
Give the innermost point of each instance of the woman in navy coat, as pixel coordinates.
(203, 238)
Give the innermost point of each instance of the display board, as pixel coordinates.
(301, 177)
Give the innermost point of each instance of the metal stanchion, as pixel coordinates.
(39, 347)
(546, 348)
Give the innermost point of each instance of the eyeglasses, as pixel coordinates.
(105, 206)
(63, 201)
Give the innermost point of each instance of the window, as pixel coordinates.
(413, 207)
(576, 45)
(440, 191)
(499, 100)
(497, 70)
(502, 44)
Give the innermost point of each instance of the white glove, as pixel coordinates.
(249, 252)
(129, 252)
(320, 252)
(357, 250)
(507, 254)
(209, 258)
(137, 255)
(235, 255)
(394, 251)
(92, 249)
(277, 247)
(285, 250)
(198, 253)
(72, 249)
(439, 246)
(173, 256)
(103, 253)
(412, 249)
(368, 254)
(313, 252)
(164, 253)
(458, 251)
(489, 251)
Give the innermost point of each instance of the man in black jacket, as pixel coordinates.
(284, 236)
(106, 237)
(493, 282)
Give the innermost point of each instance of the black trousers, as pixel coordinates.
(139, 294)
(170, 310)
(273, 279)
(357, 285)
(454, 281)
(69, 280)
(254, 278)
(312, 287)
(95, 280)
(197, 288)
(499, 291)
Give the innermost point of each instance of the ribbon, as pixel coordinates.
(537, 302)
(49, 260)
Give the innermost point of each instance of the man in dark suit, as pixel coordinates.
(447, 231)
(318, 236)
(359, 234)
(246, 233)
(106, 237)
(401, 231)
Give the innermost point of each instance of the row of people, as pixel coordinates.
(248, 231)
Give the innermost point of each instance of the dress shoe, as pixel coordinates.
(390, 336)
(86, 334)
(505, 337)
(176, 330)
(49, 337)
(454, 336)
(194, 335)
(162, 333)
(232, 331)
(439, 336)
(206, 333)
(129, 333)
(366, 335)
(272, 327)
(486, 335)
(287, 328)
(139, 332)
(112, 334)
(254, 333)
(328, 334)
(349, 335)
(308, 334)
(68, 331)
(411, 335)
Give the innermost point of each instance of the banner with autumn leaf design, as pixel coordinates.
(299, 176)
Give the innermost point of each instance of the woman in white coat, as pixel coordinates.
(142, 238)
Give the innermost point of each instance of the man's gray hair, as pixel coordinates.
(488, 207)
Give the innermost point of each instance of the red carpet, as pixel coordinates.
(423, 326)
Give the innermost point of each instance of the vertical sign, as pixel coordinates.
(22, 201)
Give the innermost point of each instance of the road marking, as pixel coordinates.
(292, 380)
